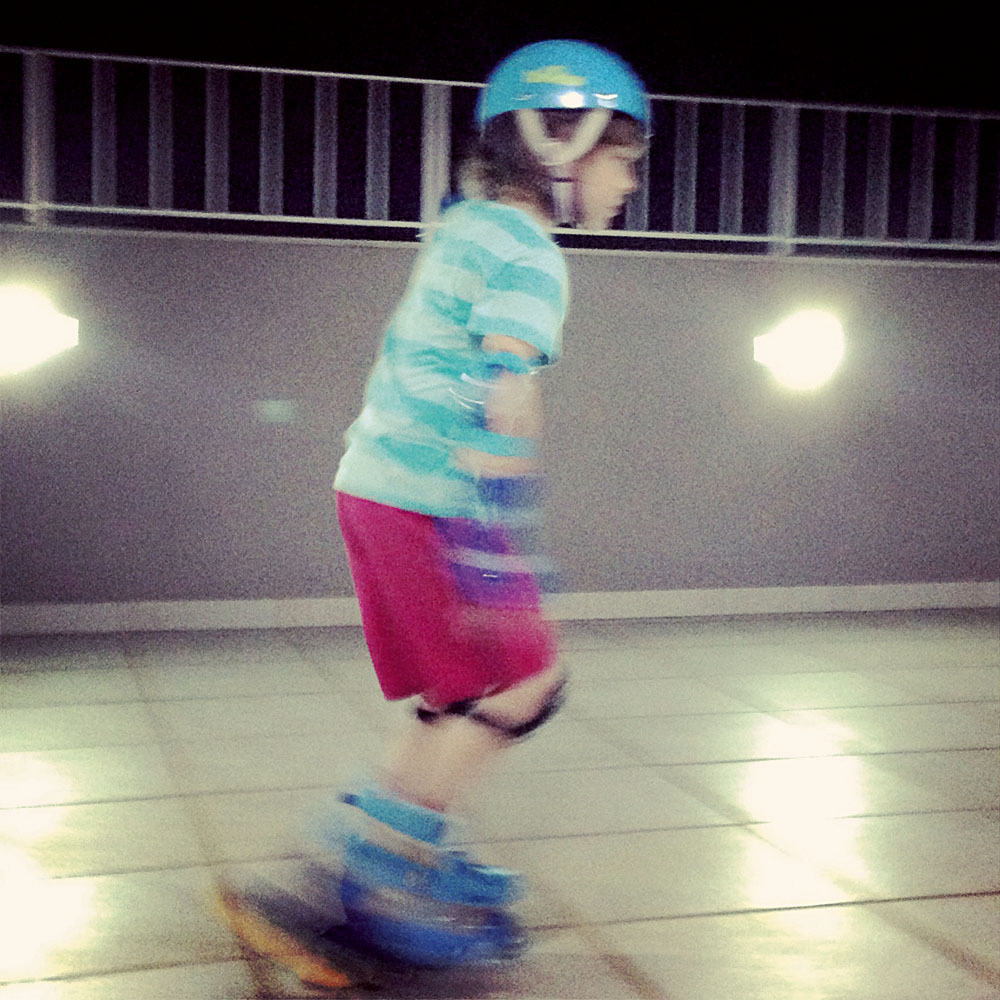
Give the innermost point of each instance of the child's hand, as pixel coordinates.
(483, 465)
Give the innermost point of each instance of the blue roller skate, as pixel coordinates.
(406, 895)
(382, 899)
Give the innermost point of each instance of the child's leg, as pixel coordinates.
(433, 764)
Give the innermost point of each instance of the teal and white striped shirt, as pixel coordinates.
(489, 269)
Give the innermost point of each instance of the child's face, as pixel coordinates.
(605, 178)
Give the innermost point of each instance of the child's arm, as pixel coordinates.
(512, 407)
(508, 481)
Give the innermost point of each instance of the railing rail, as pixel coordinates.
(115, 141)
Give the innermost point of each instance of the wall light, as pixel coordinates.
(31, 329)
(803, 351)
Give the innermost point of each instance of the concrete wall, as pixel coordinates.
(148, 465)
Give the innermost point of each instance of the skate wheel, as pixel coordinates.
(271, 942)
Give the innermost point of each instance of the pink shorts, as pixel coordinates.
(425, 638)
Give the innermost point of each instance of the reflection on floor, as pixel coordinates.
(782, 808)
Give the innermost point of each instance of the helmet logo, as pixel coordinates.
(558, 75)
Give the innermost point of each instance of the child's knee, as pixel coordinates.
(514, 713)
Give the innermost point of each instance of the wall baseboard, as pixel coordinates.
(154, 616)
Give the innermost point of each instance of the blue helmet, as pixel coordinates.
(563, 74)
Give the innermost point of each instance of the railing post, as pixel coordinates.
(731, 182)
(435, 159)
(325, 148)
(104, 134)
(921, 208)
(996, 203)
(161, 136)
(831, 185)
(877, 178)
(377, 151)
(217, 140)
(685, 167)
(272, 143)
(963, 216)
(784, 187)
(39, 137)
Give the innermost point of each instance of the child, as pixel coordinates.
(437, 490)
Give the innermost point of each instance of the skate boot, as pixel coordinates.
(407, 895)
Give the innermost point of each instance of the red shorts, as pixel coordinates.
(424, 637)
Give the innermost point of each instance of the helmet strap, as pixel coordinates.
(564, 195)
(556, 154)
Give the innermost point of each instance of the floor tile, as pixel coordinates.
(736, 659)
(62, 652)
(72, 840)
(712, 738)
(895, 728)
(968, 925)
(910, 654)
(952, 683)
(825, 689)
(638, 698)
(63, 727)
(829, 953)
(752, 658)
(523, 806)
(324, 645)
(968, 779)
(566, 744)
(352, 674)
(560, 964)
(257, 716)
(34, 688)
(251, 826)
(695, 660)
(808, 788)
(200, 678)
(929, 854)
(95, 774)
(216, 645)
(222, 981)
(632, 664)
(649, 875)
(255, 764)
(109, 923)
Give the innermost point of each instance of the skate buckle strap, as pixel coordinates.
(401, 844)
(404, 817)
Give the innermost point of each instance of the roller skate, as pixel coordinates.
(384, 898)
(406, 894)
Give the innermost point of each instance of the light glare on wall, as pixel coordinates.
(803, 351)
(31, 329)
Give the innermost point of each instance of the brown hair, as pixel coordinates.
(500, 164)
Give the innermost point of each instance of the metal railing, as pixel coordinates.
(111, 141)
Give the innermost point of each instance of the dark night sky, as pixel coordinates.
(836, 54)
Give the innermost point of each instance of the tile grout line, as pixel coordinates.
(74, 977)
(173, 754)
(794, 908)
(955, 953)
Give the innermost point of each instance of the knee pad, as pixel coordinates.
(471, 709)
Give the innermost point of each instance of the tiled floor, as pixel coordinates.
(800, 808)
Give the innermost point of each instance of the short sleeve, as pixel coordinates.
(525, 299)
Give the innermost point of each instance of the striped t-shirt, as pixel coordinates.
(489, 269)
